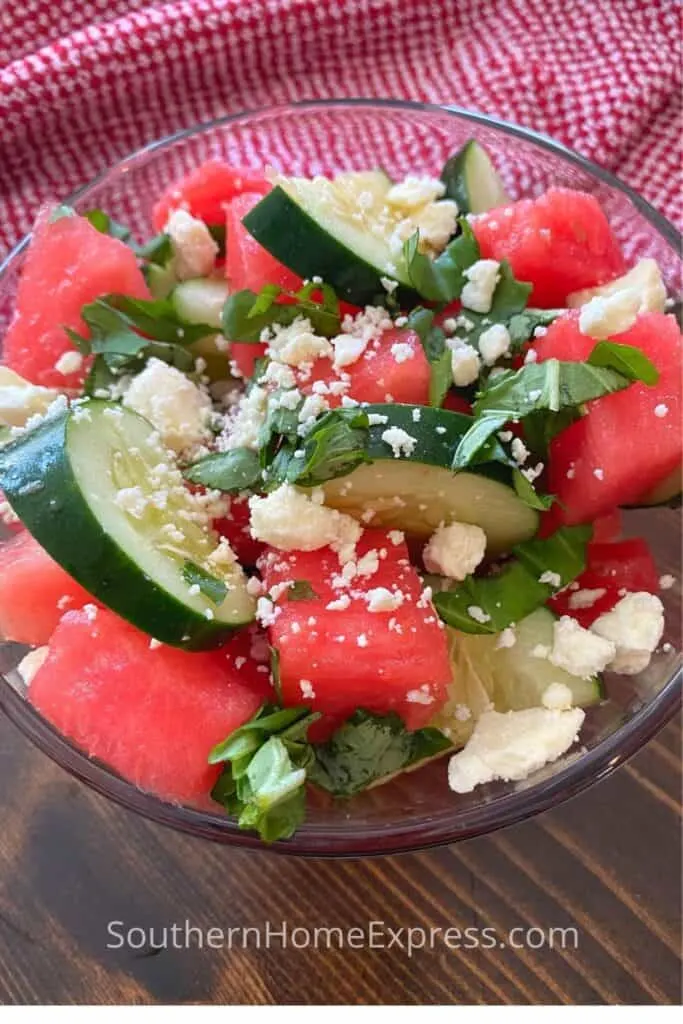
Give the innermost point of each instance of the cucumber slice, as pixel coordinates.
(472, 180)
(513, 676)
(339, 230)
(161, 279)
(418, 491)
(468, 695)
(64, 480)
(200, 300)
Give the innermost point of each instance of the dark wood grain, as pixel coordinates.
(608, 863)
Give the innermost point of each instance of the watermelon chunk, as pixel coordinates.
(629, 441)
(68, 264)
(34, 591)
(248, 264)
(560, 242)
(150, 713)
(244, 354)
(378, 375)
(339, 659)
(625, 565)
(235, 528)
(206, 191)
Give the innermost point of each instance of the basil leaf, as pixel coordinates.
(528, 493)
(246, 314)
(210, 586)
(477, 440)
(157, 318)
(218, 233)
(233, 471)
(521, 326)
(334, 447)
(541, 427)
(433, 340)
(440, 379)
(369, 747)
(516, 590)
(301, 590)
(106, 225)
(552, 385)
(156, 250)
(441, 279)
(626, 359)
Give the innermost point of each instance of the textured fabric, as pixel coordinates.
(84, 83)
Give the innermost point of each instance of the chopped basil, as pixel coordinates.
(232, 471)
(626, 359)
(334, 447)
(301, 590)
(442, 279)
(156, 250)
(521, 326)
(528, 493)
(210, 586)
(509, 299)
(246, 314)
(438, 355)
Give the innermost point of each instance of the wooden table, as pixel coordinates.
(607, 864)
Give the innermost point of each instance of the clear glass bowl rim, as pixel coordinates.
(353, 840)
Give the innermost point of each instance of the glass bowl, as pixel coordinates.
(416, 810)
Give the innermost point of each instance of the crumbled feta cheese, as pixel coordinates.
(507, 638)
(255, 586)
(340, 604)
(455, 550)
(20, 400)
(376, 419)
(307, 691)
(194, 249)
(436, 223)
(172, 404)
(400, 442)
(362, 640)
(415, 191)
(417, 415)
(586, 598)
(540, 651)
(667, 581)
(154, 644)
(266, 612)
(296, 343)
(645, 279)
(402, 351)
(243, 428)
(532, 473)
(520, 452)
(478, 614)
(423, 695)
(313, 406)
(396, 537)
(132, 501)
(553, 579)
(280, 375)
(69, 362)
(599, 473)
(661, 410)
(465, 363)
(368, 564)
(382, 600)
(513, 745)
(604, 316)
(579, 651)
(531, 355)
(557, 697)
(388, 284)
(634, 627)
(292, 520)
(30, 664)
(482, 278)
(357, 333)
(494, 343)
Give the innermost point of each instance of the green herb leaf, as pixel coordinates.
(106, 225)
(509, 300)
(440, 379)
(369, 747)
(156, 250)
(433, 340)
(301, 590)
(334, 447)
(521, 326)
(516, 590)
(210, 586)
(626, 359)
(528, 493)
(441, 279)
(541, 427)
(246, 314)
(60, 211)
(232, 471)
(474, 445)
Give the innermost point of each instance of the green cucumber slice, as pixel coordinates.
(467, 696)
(513, 676)
(200, 300)
(161, 279)
(338, 230)
(472, 180)
(64, 480)
(418, 491)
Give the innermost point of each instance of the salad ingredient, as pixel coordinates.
(206, 192)
(291, 520)
(200, 301)
(561, 242)
(399, 655)
(34, 591)
(578, 651)
(482, 278)
(455, 550)
(19, 399)
(667, 492)
(235, 527)
(248, 265)
(472, 181)
(31, 662)
(126, 524)
(194, 249)
(644, 279)
(605, 316)
(609, 439)
(73, 263)
(511, 746)
(178, 409)
(129, 702)
(635, 626)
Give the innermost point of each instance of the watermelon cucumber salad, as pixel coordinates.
(323, 480)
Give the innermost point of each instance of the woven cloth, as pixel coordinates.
(84, 83)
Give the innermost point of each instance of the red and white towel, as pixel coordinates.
(84, 83)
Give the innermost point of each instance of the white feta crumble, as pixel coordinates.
(604, 316)
(436, 223)
(340, 604)
(531, 356)
(388, 284)
(661, 410)
(400, 441)
(553, 579)
(520, 452)
(465, 363)
(20, 400)
(357, 333)
(634, 627)
(455, 550)
(513, 745)
(415, 191)
(423, 695)
(507, 638)
(494, 343)
(667, 581)
(307, 691)
(532, 472)
(30, 664)
(132, 501)
(416, 415)
(69, 362)
(396, 537)
(376, 419)
(194, 249)
(557, 697)
(482, 278)
(172, 404)
(380, 599)
(292, 520)
(478, 614)
(579, 651)
(362, 640)
(266, 612)
(585, 598)
(402, 351)
(296, 343)
(154, 644)
(599, 473)
(280, 375)
(644, 278)
(242, 429)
